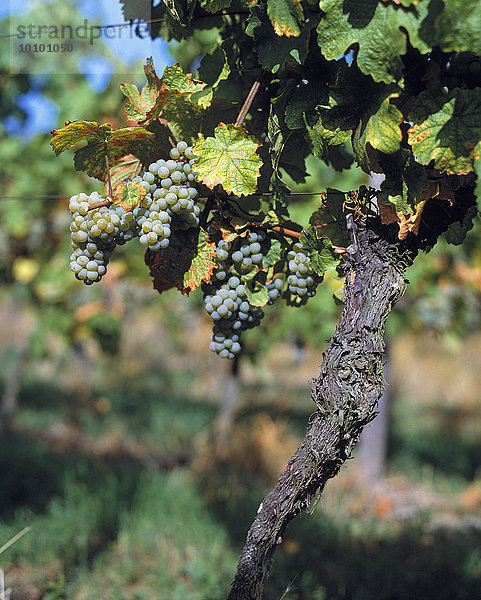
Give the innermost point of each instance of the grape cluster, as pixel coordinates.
(302, 280)
(225, 297)
(170, 203)
(169, 185)
(94, 235)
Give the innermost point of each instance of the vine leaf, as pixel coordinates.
(99, 142)
(361, 108)
(377, 28)
(406, 181)
(330, 220)
(217, 67)
(458, 27)
(129, 195)
(286, 16)
(146, 106)
(126, 168)
(256, 291)
(456, 233)
(274, 254)
(447, 129)
(202, 265)
(382, 130)
(187, 261)
(230, 159)
(274, 49)
(408, 223)
(214, 6)
(320, 250)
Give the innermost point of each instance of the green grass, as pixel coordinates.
(168, 547)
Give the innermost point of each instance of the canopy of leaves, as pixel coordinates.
(392, 84)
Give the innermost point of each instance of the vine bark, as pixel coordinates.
(346, 394)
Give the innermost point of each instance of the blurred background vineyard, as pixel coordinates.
(138, 459)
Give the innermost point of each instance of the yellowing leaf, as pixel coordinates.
(102, 142)
(447, 129)
(286, 16)
(129, 195)
(410, 224)
(407, 223)
(147, 105)
(127, 168)
(229, 159)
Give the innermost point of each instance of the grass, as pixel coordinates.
(168, 547)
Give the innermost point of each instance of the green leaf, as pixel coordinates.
(359, 106)
(447, 129)
(253, 21)
(377, 28)
(286, 16)
(274, 254)
(330, 219)
(405, 183)
(187, 261)
(228, 159)
(214, 6)
(322, 257)
(301, 106)
(178, 82)
(456, 232)
(287, 148)
(214, 68)
(185, 118)
(382, 130)
(274, 50)
(256, 293)
(101, 141)
(458, 26)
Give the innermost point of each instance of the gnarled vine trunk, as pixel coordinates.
(346, 395)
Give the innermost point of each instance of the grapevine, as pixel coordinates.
(394, 87)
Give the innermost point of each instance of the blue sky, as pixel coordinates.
(42, 112)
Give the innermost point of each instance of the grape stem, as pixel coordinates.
(106, 202)
(108, 174)
(288, 232)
